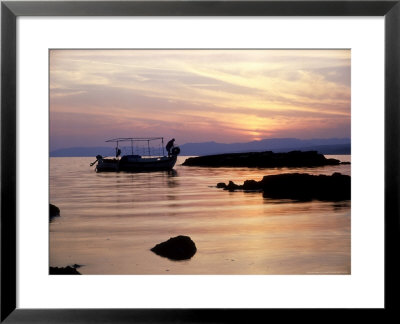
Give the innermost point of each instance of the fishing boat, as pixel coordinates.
(145, 162)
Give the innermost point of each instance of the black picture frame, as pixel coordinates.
(10, 10)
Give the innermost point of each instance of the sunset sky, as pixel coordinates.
(197, 95)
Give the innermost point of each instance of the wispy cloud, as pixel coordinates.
(225, 95)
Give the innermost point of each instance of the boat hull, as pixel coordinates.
(134, 164)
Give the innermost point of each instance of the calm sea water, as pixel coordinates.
(110, 221)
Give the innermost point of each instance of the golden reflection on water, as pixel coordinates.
(109, 222)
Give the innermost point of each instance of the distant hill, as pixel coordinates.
(330, 149)
(323, 146)
(83, 151)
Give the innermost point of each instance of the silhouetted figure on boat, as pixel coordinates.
(117, 152)
(169, 146)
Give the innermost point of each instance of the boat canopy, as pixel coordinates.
(137, 139)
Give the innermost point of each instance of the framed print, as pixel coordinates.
(171, 140)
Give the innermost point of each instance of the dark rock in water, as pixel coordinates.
(300, 186)
(54, 211)
(251, 185)
(266, 159)
(63, 271)
(306, 187)
(176, 248)
(231, 186)
(221, 185)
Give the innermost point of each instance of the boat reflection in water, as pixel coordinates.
(138, 163)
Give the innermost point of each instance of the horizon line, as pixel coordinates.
(205, 142)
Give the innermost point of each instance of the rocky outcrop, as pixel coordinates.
(54, 211)
(266, 159)
(63, 271)
(298, 186)
(176, 248)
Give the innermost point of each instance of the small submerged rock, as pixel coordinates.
(63, 271)
(176, 248)
(54, 211)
